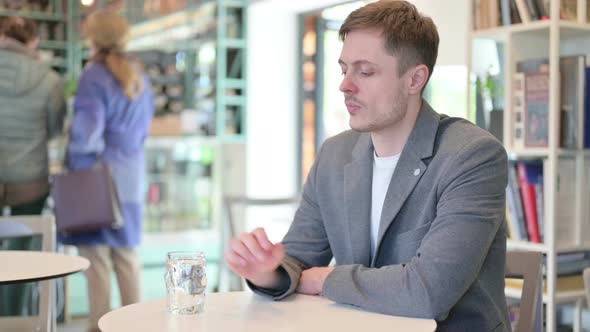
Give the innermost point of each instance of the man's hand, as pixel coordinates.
(254, 257)
(312, 280)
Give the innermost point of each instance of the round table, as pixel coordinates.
(27, 266)
(246, 312)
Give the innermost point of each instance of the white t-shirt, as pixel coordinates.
(383, 168)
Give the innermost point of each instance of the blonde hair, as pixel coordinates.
(109, 33)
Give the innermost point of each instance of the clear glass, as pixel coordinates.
(186, 282)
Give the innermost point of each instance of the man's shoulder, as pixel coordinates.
(338, 148)
(344, 138)
(456, 134)
(342, 143)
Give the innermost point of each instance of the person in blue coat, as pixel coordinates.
(113, 109)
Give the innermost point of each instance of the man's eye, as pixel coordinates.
(366, 74)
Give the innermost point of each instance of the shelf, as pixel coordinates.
(525, 245)
(171, 141)
(572, 248)
(573, 153)
(541, 247)
(58, 63)
(53, 44)
(234, 3)
(569, 296)
(530, 153)
(560, 297)
(234, 84)
(201, 17)
(233, 100)
(168, 80)
(540, 153)
(234, 139)
(33, 15)
(233, 43)
(569, 29)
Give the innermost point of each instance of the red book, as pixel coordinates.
(529, 202)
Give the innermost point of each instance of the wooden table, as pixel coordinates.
(246, 312)
(26, 266)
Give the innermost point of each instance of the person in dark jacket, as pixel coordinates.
(113, 110)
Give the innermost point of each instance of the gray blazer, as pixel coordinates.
(442, 240)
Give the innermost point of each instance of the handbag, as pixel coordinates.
(86, 201)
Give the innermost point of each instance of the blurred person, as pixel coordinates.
(113, 109)
(410, 203)
(32, 111)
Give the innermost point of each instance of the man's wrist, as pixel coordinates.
(273, 280)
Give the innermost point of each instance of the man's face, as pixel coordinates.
(375, 96)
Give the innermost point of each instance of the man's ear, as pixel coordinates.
(418, 79)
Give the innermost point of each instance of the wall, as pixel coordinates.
(272, 84)
(272, 106)
(452, 28)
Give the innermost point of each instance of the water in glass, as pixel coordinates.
(186, 282)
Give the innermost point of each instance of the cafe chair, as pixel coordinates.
(12, 228)
(526, 265)
(232, 227)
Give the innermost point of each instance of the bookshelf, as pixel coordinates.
(195, 56)
(556, 29)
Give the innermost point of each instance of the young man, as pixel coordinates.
(410, 203)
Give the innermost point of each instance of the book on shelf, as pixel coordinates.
(529, 175)
(562, 284)
(536, 109)
(514, 15)
(533, 10)
(492, 13)
(587, 108)
(486, 14)
(542, 8)
(531, 103)
(568, 9)
(540, 204)
(523, 11)
(565, 196)
(505, 12)
(572, 93)
(525, 197)
(517, 220)
(518, 95)
(569, 264)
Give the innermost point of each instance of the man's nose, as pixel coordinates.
(347, 86)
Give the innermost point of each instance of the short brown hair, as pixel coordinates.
(21, 29)
(409, 35)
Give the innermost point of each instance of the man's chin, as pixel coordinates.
(359, 128)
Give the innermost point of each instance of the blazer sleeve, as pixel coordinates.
(306, 239)
(87, 133)
(470, 211)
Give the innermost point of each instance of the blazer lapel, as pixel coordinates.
(409, 169)
(357, 194)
